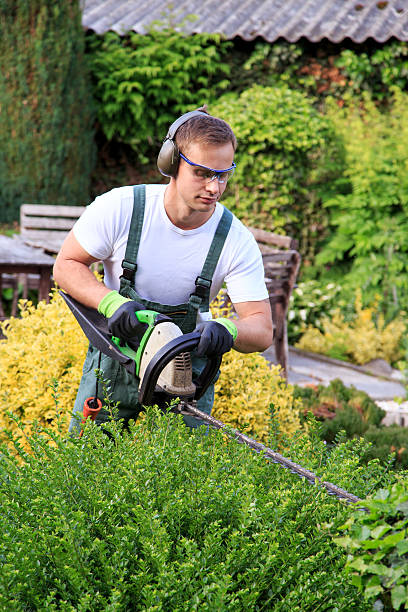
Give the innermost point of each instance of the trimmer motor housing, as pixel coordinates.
(177, 377)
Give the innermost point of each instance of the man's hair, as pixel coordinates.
(205, 129)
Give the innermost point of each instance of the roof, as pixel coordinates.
(248, 19)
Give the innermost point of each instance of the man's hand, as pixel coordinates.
(124, 323)
(121, 314)
(217, 337)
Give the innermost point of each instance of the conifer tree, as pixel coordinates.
(46, 119)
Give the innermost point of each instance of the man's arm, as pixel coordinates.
(254, 325)
(72, 273)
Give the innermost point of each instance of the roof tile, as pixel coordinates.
(269, 19)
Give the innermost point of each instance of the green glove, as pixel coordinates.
(121, 313)
(110, 303)
(230, 325)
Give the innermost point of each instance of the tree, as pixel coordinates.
(46, 118)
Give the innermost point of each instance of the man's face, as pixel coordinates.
(197, 193)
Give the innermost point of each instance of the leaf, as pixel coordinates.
(379, 531)
(372, 591)
(394, 538)
(358, 564)
(402, 547)
(403, 508)
(377, 568)
(398, 596)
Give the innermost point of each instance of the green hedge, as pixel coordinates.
(287, 154)
(166, 518)
(142, 83)
(46, 124)
(377, 547)
(351, 413)
(368, 223)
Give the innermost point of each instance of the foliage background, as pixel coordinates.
(298, 110)
(141, 83)
(46, 118)
(367, 245)
(358, 338)
(286, 158)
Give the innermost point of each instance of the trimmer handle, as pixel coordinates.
(92, 406)
(183, 344)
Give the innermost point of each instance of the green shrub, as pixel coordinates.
(377, 71)
(346, 411)
(46, 125)
(265, 64)
(312, 301)
(286, 156)
(385, 440)
(339, 408)
(165, 518)
(377, 546)
(323, 69)
(143, 82)
(44, 343)
(369, 224)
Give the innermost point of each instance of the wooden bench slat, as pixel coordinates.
(46, 223)
(286, 242)
(286, 256)
(46, 226)
(277, 265)
(49, 210)
(276, 283)
(44, 235)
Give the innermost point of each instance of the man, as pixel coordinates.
(169, 248)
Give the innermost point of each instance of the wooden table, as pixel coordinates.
(18, 258)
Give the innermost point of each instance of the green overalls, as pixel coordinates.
(124, 386)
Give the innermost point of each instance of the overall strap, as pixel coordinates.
(201, 294)
(129, 265)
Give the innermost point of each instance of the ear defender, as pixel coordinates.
(168, 158)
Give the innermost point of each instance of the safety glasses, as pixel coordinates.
(203, 173)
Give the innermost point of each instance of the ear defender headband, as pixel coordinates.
(168, 159)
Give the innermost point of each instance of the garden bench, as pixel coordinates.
(42, 226)
(46, 226)
(20, 261)
(281, 264)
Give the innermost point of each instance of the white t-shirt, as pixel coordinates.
(169, 258)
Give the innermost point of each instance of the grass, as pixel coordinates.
(8, 229)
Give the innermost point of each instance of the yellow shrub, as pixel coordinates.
(246, 389)
(46, 343)
(360, 340)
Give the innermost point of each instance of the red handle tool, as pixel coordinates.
(92, 406)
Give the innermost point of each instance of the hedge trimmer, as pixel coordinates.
(161, 359)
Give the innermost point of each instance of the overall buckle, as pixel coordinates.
(203, 286)
(128, 271)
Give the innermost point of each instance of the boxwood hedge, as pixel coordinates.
(164, 518)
